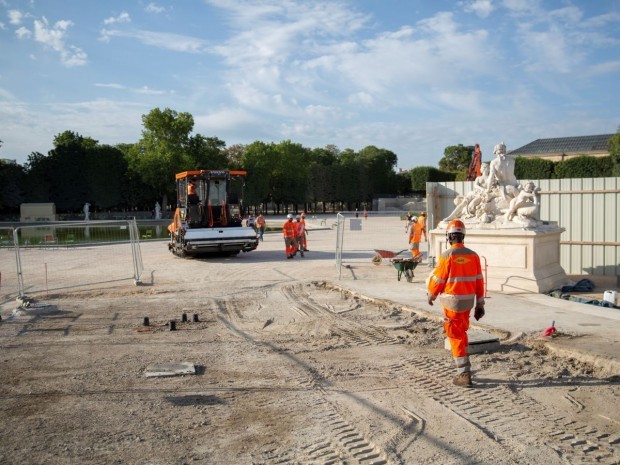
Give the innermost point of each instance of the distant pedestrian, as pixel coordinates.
(458, 281)
(290, 236)
(300, 228)
(260, 224)
(415, 236)
(422, 221)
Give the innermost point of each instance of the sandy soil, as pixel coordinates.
(290, 370)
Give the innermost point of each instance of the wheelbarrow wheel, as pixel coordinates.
(409, 275)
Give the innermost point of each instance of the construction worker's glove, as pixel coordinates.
(431, 299)
(478, 312)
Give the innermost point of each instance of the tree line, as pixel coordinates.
(130, 177)
(284, 175)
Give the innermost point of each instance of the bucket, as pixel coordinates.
(610, 296)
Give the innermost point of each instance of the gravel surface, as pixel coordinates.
(290, 369)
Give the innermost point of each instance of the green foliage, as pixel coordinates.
(423, 174)
(584, 167)
(76, 171)
(534, 168)
(163, 149)
(456, 158)
(614, 152)
(11, 181)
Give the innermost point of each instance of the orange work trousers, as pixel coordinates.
(455, 325)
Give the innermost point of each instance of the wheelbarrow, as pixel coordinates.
(381, 254)
(405, 266)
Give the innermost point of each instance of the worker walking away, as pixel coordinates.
(300, 228)
(260, 224)
(415, 236)
(458, 281)
(422, 221)
(290, 236)
(305, 236)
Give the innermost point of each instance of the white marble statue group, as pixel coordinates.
(498, 198)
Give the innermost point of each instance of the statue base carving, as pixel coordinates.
(517, 260)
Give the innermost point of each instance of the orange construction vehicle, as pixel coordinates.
(208, 217)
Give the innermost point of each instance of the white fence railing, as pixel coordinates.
(588, 208)
(48, 257)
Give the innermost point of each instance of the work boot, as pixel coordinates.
(463, 379)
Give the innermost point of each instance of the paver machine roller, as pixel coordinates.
(208, 217)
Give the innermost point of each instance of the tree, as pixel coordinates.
(534, 168)
(234, 155)
(456, 158)
(11, 179)
(420, 175)
(614, 152)
(584, 166)
(205, 153)
(163, 149)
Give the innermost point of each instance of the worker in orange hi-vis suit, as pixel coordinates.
(290, 236)
(458, 281)
(422, 221)
(300, 233)
(415, 236)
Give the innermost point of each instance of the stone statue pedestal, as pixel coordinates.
(518, 260)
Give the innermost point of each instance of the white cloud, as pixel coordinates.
(54, 38)
(153, 8)
(361, 98)
(121, 18)
(23, 33)
(482, 8)
(32, 127)
(146, 90)
(163, 40)
(15, 17)
(110, 85)
(2, 26)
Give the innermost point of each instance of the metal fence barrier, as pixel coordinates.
(360, 235)
(63, 256)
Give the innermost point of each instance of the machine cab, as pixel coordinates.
(209, 198)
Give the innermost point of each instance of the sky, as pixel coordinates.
(410, 76)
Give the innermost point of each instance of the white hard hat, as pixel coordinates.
(298, 217)
(289, 216)
(414, 218)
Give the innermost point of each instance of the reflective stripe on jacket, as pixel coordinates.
(458, 278)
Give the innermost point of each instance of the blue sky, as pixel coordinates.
(405, 75)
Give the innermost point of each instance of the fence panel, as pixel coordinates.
(361, 236)
(66, 256)
(586, 207)
(9, 287)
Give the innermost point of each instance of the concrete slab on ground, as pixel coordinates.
(170, 369)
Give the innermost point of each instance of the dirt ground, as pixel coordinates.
(289, 370)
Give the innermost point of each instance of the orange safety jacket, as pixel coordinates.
(458, 278)
(415, 235)
(422, 222)
(289, 229)
(300, 227)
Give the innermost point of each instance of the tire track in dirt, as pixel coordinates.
(335, 440)
(506, 416)
(353, 332)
